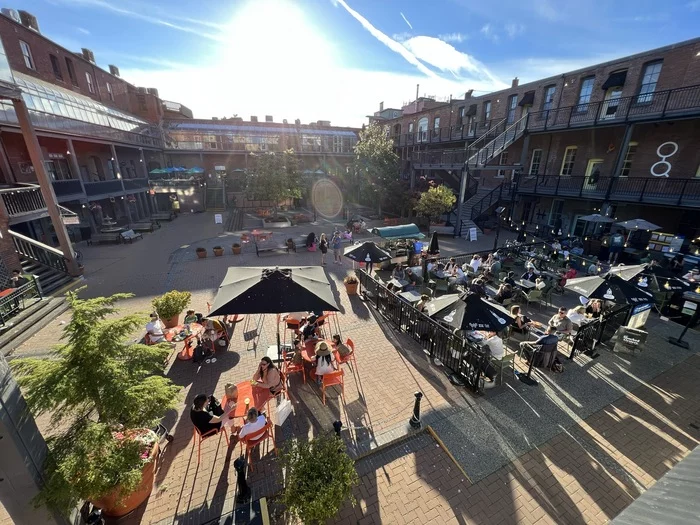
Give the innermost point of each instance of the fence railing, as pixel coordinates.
(135, 184)
(599, 331)
(464, 359)
(450, 157)
(39, 252)
(103, 187)
(22, 200)
(63, 188)
(10, 304)
(446, 134)
(481, 151)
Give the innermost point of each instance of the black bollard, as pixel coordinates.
(337, 425)
(415, 418)
(242, 486)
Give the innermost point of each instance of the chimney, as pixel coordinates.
(114, 70)
(468, 94)
(268, 118)
(253, 118)
(297, 122)
(381, 106)
(88, 55)
(284, 121)
(515, 82)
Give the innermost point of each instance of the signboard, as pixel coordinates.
(630, 337)
(472, 234)
(70, 220)
(641, 308)
(218, 218)
(220, 168)
(689, 308)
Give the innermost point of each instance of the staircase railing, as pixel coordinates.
(486, 202)
(486, 138)
(22, 200)
(39, 252)
(497, 144)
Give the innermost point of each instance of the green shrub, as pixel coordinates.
(171, 303)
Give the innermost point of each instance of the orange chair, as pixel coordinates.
(199, 437)
(245, 238)
(350, 356)
(256, 438)
(290, 367)
(332, 379)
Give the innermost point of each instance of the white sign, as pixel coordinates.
(472, 234)
(70, 219)
(218, 218)
(220, 168)
(689, 308)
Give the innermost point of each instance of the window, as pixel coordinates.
(502, 161)
(436, 123)
(697, 172)
(410, 127)
(461, 112)
(27, 54)
(584, 96)
(487, 110)
(512, 105)
(90, 82)
(535, 162)
(110, 94)
(56, 66)
(58, 169)
(567, 165)
(71, 71)
(423, 129)
(649, 80)
(555, 214)
(548, 101)
(629, 157)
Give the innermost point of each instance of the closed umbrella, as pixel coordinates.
(367, 252)
(610, 288)
(471, 312)
(433, 247)
(638, 224)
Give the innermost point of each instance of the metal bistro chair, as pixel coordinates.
(199, 437)
(333, 379)
(255, 439)
(534, 296)
(507, 360)
(350, 357)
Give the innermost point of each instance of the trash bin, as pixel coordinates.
(628, 340)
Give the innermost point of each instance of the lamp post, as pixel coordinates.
(499, 212)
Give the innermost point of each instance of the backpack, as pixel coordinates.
(557, 366)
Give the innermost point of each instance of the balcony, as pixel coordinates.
(23, 203)
(68, 190)
(646, 190)
(105, 188)
(446, 134)
(656, 106)
(448, 159)
(135, 185)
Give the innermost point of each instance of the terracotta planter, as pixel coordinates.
(172, 322)
(236, 250)
(219, 252)
(202, 254)
(351, 288)
(110, 504)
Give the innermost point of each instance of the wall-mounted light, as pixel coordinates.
(67, 152)
(119, 175)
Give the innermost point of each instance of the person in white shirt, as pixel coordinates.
(457, 276)
(556, 246)
(475, 263)
(254, 422)
(495, 346)
(577, 315)
(540, 284)
(154, 329)
(325, 361)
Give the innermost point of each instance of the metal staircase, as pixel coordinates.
(479, 205)
(488, 146)
(43, 261)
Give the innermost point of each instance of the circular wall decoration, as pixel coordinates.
(662, 168)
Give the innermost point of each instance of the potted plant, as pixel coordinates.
(201, 253)
(236, 248)
(320, 477)
(104, 451)
(170, 305)
(351, 283)
(218, 251)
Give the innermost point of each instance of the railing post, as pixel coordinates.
(415, 418)
(629, 106)
(598, 111)
(668, 96)
(682, 192)
(609, 190)
(644, 188)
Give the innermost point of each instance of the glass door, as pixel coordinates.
(611, 103)
(590, 182)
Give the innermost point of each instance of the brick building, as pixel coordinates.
(620, 137)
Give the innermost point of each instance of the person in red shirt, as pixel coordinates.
(570, 273)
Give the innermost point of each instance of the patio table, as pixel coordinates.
(309, 351)
(195, 329)
(411, 296)
(6, 292)
(524, 283)
(398, 284)
(259, 397)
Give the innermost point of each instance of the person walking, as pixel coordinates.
(323, 246)
(336, 244)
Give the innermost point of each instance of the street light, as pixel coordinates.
(499, 212)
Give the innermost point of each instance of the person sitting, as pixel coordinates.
(325, 361)
(398, 273)
(577, 315)
(529, 275)
(693, 275)
(677, 264)
(478, 287)
(267, 376)
(457, 277)
(451, 265)
(594, 308)
(496, 350)
(190, 317)
(475, 263)
(342, 349)
(201, 415)
(215, 328)
(254, 422)
(311, 242)
(540, 284)
(414, 280)
(495, 267)
(421, 305)
(561, 322)
(548, 341)
(556, 246)
(522, 323)
(531, 264)
(154, 329)
(228, 403)
(295, 319)
(505, 291)
(510, 279)
(310, 329)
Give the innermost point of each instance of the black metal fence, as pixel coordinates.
(15, 301)
(599, 331)
(517, 251)
(464, 359)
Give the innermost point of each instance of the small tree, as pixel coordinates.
(435, 202)
(108, 389)
(319, 478)
(275, 177)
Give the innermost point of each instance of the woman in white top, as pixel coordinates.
(325, 360)
(475, 263)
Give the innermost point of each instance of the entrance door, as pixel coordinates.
(611, 103)
(590, 183)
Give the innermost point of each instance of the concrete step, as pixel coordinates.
(29, 322)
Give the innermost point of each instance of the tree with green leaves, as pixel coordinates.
(434, 202)
(274, 177)
(377, 166)
(102, 386)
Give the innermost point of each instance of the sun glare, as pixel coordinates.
(275, 37)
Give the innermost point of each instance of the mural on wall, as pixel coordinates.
(662, 168)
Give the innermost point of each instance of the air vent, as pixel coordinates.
(253, 118)
(88, 55)
(268, 118)
(152, 91)
(114, 70)
(29, 20)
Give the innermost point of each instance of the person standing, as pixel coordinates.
(323, 247)
(617, 243)
(336, 244)
(17, 279)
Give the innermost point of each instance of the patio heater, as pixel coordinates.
(499, 212)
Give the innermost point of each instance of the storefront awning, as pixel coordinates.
(616, 79)
(528, 99)
(405, 231)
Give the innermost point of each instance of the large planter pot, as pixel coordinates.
(236, 250)
(110, 504)
(202, 254)
(172, 322)
(218, 252)
(351, 288)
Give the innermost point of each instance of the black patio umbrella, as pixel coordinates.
(433, 247)
(367, 252)
(471, 312)
(665, 280)
(440, 303)
(611, 288)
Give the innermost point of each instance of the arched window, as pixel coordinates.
(423, 129)
(397, 129)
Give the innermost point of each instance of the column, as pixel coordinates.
(35, 155)
(142, 161)
(75, 169)
(115, 160)
(139, 206)
(5, 163)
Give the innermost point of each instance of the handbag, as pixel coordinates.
(284, 409)
(215, 407)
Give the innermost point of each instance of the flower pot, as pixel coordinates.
(218, 252)
(172, 322)
(236, 250)
(202, 254)
(111, 504)
(351, 288)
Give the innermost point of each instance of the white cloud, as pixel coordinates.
(453, 37)
(82, 30)
(400, 37)
(406, 20)
(512, 29)
(544, 9)
(488, 31)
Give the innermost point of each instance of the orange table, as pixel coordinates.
(309, 351)
(259, 397)
(188, 350)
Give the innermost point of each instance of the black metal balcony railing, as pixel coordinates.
(103, 187)
(671, 103)
(23, 200)
(446, 158)
(64, 188)
(648, 190)
(10, 304)
(446, 134)
(39, 252)
(135, 184)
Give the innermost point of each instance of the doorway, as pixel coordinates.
(611, 102)
(593, 169)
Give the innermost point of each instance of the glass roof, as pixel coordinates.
(201, 126)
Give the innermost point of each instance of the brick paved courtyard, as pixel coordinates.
(577, 449)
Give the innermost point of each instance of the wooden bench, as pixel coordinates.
(271, 246)
(163, 216)
(144, 226)
(104, 237)
(131, 235)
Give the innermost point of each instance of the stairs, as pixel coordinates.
(488, 146)
(28, 322)
(50, 279)
(466, 218)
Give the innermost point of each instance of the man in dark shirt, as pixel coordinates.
(510, 279)
(549, 338)
(529, 275)
(201, 418)
(17, 279)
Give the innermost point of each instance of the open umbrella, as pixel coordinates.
(665, 280)
(367, 252)
(433, 247)
(628, 272)
(596, 217)
(471, 312)
(195, 170)
(611, 288)
(440, 303)
(157, 171)
(638, 224)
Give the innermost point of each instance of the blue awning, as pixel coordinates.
(405, 231)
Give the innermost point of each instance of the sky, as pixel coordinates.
(338, 59)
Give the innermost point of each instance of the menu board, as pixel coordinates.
(665, 242)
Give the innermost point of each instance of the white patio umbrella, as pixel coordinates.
(638, 224)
